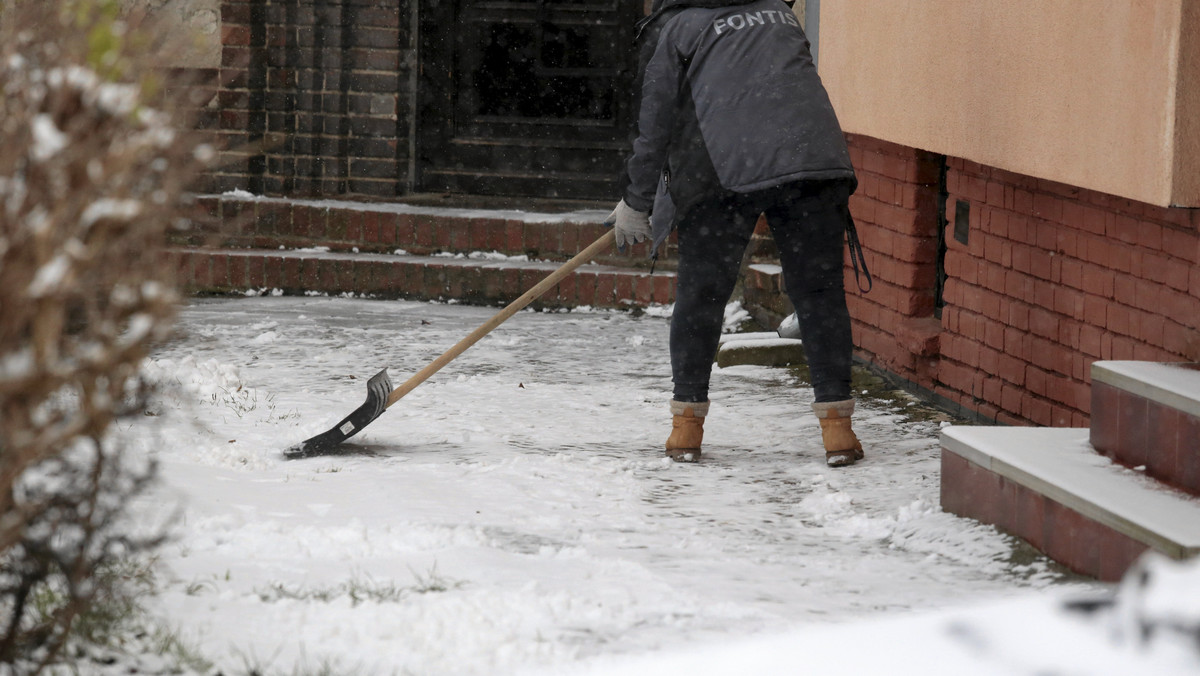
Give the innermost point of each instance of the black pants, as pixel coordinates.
(808, 221)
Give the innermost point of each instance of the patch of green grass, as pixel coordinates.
(432, 582)
(253, 666)
(362, 590)
(116, 628)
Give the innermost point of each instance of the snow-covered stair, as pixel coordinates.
(759, 348)
(1057, 490)
(401, 250)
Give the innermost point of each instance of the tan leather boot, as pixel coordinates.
(687, 430)
(842, 447)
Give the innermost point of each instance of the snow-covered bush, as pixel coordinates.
(95, 161)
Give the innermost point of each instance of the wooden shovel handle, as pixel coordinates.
(513, 308)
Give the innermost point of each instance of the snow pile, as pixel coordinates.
(187, 380)
(1150, 626)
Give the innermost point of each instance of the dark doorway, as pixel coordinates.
(525, 97)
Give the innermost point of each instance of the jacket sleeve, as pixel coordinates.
(658, 107)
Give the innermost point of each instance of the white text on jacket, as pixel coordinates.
(751, 19)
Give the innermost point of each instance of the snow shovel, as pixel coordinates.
(380, 394)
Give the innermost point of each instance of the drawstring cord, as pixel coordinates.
(856, 254)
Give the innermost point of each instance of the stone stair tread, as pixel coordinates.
(400, 207)
(483, 278)
(547, 230)
(758, 348)
(1176, 385)
(758, 338)
(457, 260)
(1061, 464)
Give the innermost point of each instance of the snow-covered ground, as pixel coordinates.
(514, 514)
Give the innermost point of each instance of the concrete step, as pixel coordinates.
(1050, 487)
(1147, 415)
(760, 348)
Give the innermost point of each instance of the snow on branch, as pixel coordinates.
(98, 155)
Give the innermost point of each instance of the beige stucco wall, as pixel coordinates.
(1087, 93)
(1187, 110)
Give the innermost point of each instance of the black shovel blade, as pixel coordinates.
(378, 389)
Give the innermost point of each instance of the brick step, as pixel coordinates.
(422, 225)
(468, 279)
(1051, 488)
(763, 292)
(1147, 415)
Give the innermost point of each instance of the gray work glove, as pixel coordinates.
(631, 225)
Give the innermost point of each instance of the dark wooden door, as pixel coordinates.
(525, 97)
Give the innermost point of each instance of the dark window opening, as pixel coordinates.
(943, 196)
(962, 221)
(541, 71)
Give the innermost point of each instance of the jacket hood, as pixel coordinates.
(660, 7)
(667, 4)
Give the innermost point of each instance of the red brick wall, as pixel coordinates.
(895, 208)
(314, 97)
(1051, 278)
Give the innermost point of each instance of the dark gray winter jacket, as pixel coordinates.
(730, 100)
